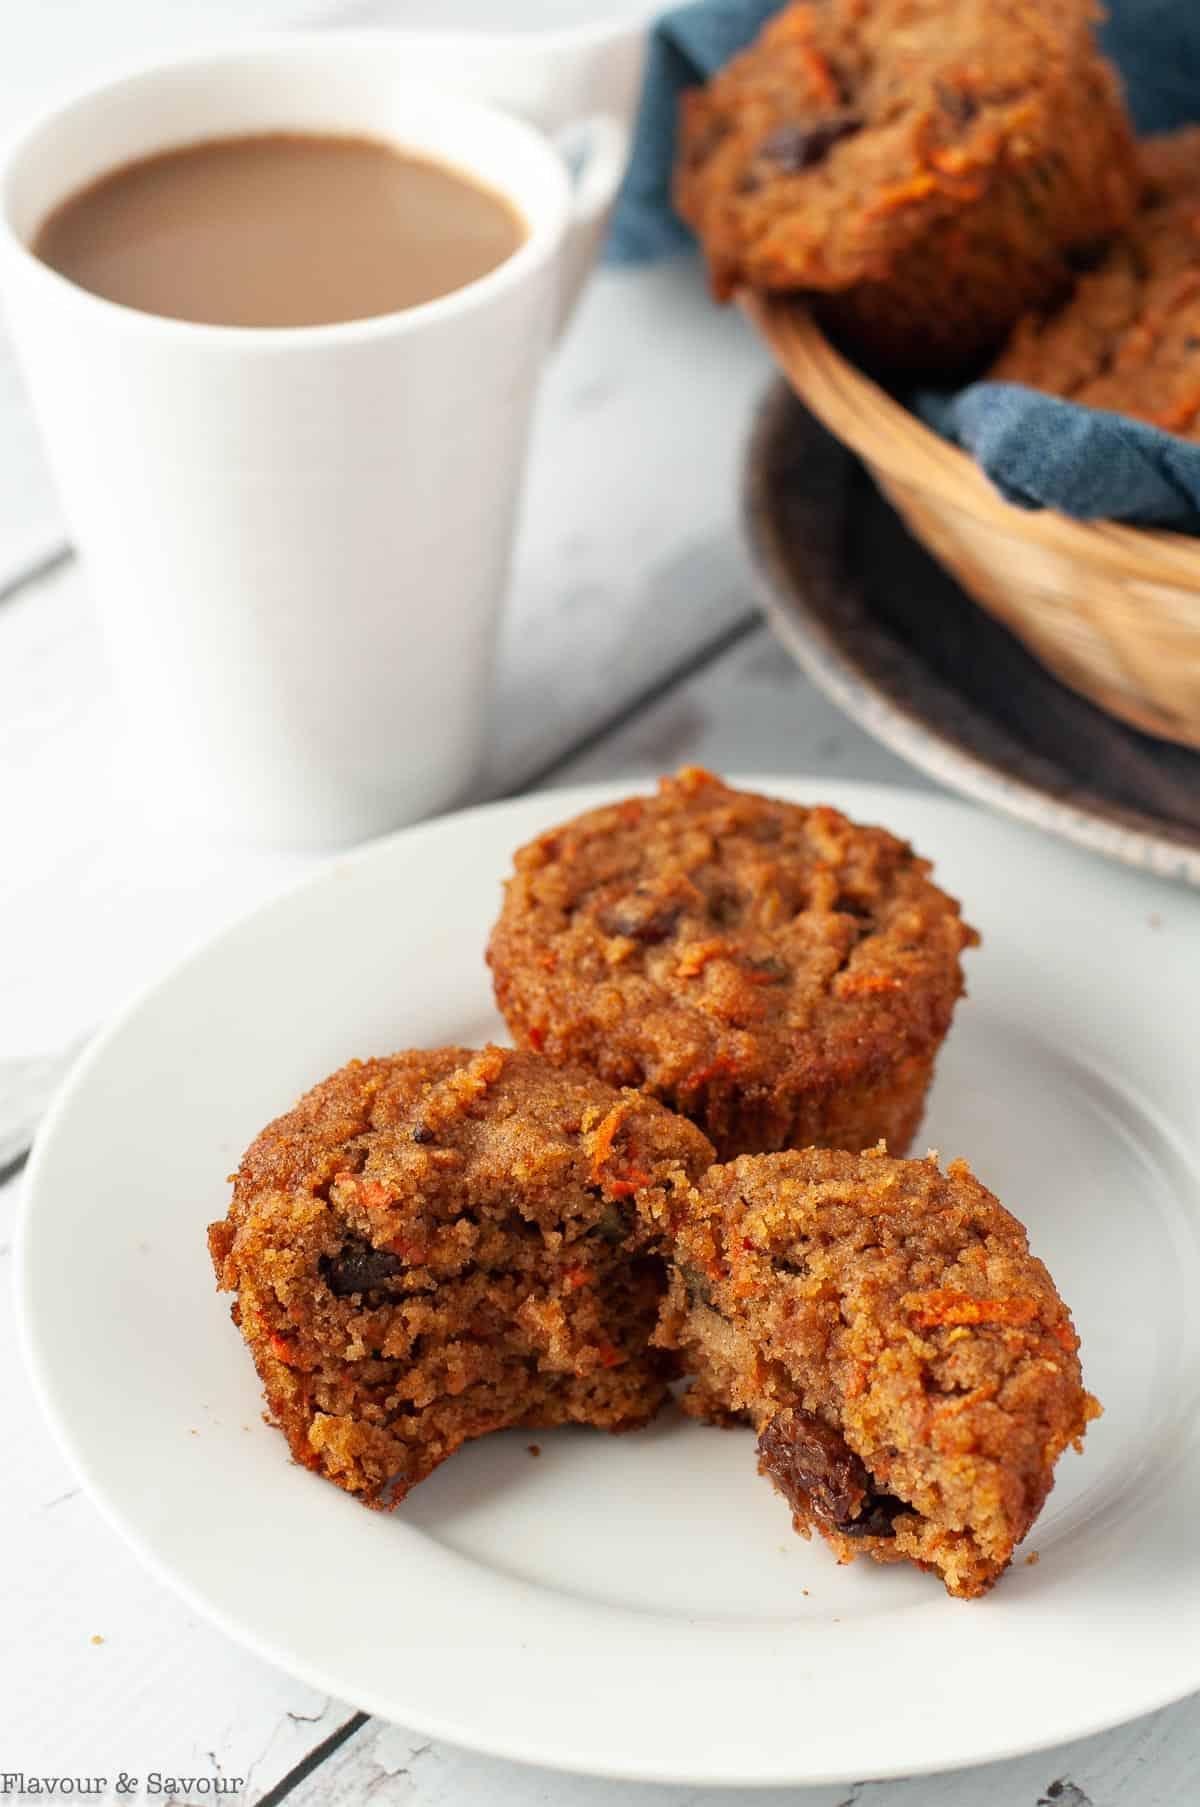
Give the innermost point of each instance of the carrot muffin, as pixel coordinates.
(910, 1369)
(777, 974)
(436, 1245)
(1128, 339)
(926, 168)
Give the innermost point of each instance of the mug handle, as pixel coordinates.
(564, 84)
(597, 178)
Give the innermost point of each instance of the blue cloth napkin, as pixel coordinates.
(1038, 450)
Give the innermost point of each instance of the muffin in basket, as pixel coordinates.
(928, 169)
(778, 974)
(1128, 338)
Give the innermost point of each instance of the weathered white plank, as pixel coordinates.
(94, 899)
(750, 711)
(629, 557)
(1152, 1763)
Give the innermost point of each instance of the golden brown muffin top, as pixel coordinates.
(849, 125)
(911, 1254)
(407, 1147)
(707, 931)
(901, 1306)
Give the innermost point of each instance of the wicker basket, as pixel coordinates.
(1113, 611)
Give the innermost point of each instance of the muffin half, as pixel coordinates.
(441, 1244)
(909, 1366)
(1128, 337)
(778, 974)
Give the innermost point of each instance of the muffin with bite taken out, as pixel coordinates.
(908, 1364)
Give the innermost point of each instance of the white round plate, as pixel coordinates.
(638, 1606)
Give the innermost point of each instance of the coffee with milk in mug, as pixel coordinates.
(279, 229)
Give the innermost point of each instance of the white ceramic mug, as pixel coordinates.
(299, 538)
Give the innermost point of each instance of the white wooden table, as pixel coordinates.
(631, 644)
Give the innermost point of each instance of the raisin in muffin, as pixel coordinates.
(437, 1245)
(1128, 338)
(926, 168)
(778, 974)
(909, 1366)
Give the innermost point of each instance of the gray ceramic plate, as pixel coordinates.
(891, 637)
